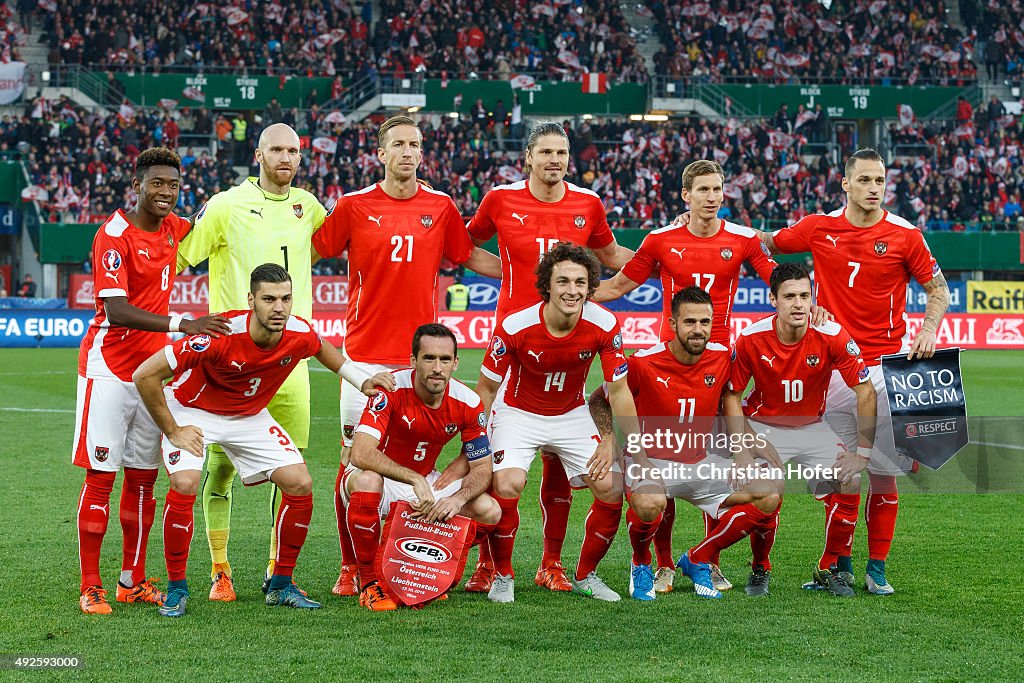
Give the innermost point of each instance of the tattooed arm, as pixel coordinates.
(935, 308)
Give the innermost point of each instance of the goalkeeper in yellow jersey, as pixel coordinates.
(261, 220)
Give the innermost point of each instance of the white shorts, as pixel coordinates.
(841, 414)
(113, 429)
(704, 484)
(353, 401)
(515, 436)
(256, 444)
(813, 446)
(395, 491)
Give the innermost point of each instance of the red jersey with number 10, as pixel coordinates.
(230, 375)
(527, 228)
(394, 254)
(861, 274)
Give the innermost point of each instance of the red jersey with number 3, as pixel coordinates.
(791, 380)
(395, 248)
(527, 228)
(129, 262)
(231, 375)
(413, 434)
(669, 394)
(711, 263)
(548, 373)
(861, 274)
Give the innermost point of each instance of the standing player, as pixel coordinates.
(707, 252)
(134, 252)
(261, 220)
(396, 444)
(529, 217)
(547, 350)
(396, 233)
(686, 376)
(792, 364)
(220, 393)
(864, 258)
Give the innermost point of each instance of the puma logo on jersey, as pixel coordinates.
(768, 360)
(603, 537)
(832, 239)
(504, 535)
(883, 501)
(238, 365)
(520, 218)
(258, 213)
(112, 276)
(535, 354)
(368, 529)
(678, 252)
(186, 528)
(301, 526)
(375, 220)
(663, 380)
(408, 421)
(101, 508)
(144, 252)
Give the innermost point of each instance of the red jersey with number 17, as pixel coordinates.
(413, 434)
(527, 228)
(861, 274)
(791, 380)
(231, 375)
(140, 265)
(711, 263)
(394, 254)
(548, 373)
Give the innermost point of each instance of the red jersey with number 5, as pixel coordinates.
(230, 375)
(527, 228)
(413, 434)
(548, 373)
(791, 380)
(861, 274)
(130, 262)
(395, 248)
(684, 398)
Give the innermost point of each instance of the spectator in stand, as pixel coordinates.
(27, 288)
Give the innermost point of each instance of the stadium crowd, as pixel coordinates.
(1000, 36)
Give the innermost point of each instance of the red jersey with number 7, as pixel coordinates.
(231, 375)
(861, 274)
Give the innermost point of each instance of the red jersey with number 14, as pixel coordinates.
(413, 434)
(394, 254)
(548, 373)
(527, 228)
(230, 375)
(129, 262)
(861, 274)
(791, 380)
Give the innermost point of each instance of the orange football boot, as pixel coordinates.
(143, 591)
(374, 599)
(348, 581)
(94, 601)
(222, 587)
(481, 580)
(552, 576)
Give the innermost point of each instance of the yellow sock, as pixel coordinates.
(218, 539)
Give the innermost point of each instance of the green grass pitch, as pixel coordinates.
(957, 613)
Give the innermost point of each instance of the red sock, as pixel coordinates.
(709, 524)
(840, 523)
(555, 503)
(663, 536)
(292, 526)
(599, 532)
(880, 512)
(93, 513)
(503, 538)
(763, 538)
(364, 527)
(138, 507)
(482, 532)
(348, 555)
(640, 535)
(178, 528)
(737, 522)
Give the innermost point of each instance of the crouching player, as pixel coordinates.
(220, 393)
(677, 386)
(394, 449)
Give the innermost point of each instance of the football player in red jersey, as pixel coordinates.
(864, 258)
(134, 253)
(546, 350)
(220, 393)
(529, 217)
(396, 233)
(792, 364)
(674, 383)
(397, 443)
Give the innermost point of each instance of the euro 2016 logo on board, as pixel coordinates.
(174, 457)
(111, 260)
(101, 453)
(198, 343)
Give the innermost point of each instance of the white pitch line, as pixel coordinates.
(1011, 447)
(34, 410)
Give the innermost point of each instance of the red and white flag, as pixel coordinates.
(595, 83)
(805, 116)
(906, 115)
(520, 81)
(335, 117)
(194, 93)
(733, 192)
(960, 166)
(168, 103)
(325, 145)
(789, 171)
(744, 179)
(569, 58)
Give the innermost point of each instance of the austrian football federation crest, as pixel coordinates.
(101, 453)
(349, 431)
(586, 354)
(297, 210)
(813, 359)
(451, 428)
(726, 253)
(709, 380)
(880, 247)
(426, 222)
(286, 360)
(580, 222)
(498, 457)
(170, 240)
(174, 457)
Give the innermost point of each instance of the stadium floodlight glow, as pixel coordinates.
(587, 117)
(413, 110)
(636, 117)
(655, 117)
(453, 115)
(46, 76)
